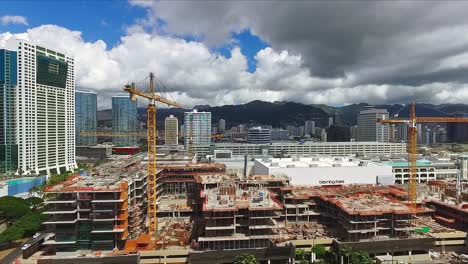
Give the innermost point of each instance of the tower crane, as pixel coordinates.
(412, 143)
(153, 98)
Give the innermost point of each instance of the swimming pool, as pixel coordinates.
(22, 185)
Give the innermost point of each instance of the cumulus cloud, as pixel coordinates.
(8, 20)
(195, 75)
(343, 45)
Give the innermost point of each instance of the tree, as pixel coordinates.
(302, 256)
(36, 190)
(319, 250)
(245, 259)
(11, 234)
(13, 207)
(355, 256)
(34, 202)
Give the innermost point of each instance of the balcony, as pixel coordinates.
(109, 229)
(61, 219)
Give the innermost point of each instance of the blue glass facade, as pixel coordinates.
(124, 119)
(85, 117)
(8, 82)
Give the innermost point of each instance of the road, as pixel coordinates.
(18, 253)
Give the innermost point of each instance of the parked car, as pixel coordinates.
(36, 235)
(25, 246)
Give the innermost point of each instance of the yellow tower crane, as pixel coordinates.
(412, 143)
(152, 170)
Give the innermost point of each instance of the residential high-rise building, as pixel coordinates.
(309, 127)
(44, 108)
(171, 129)
(85, 117)
(402, 132)
(458, 132)
(337, 119)
(222, 126)
(330, 121)
(258, 135)
(354, 133)
(124, 120)
(198, 125)
(323, 135)
(368, 127)
(8, 82)
(301, 131)
(182, 130)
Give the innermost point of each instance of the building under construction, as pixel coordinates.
(238, 218)
(98, 211)
(202, 208)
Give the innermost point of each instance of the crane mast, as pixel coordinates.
(152, 168)
(412, 152)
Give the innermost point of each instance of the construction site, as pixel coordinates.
(201, 208)
(185, 211)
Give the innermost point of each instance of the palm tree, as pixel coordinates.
(245, 259)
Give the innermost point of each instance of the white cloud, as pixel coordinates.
(195, 75)
(7, 20)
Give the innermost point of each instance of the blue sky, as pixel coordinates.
(107, 20)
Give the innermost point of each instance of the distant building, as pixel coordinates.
(307, 148)
(338, 133)
(241, 128)
(458, 132)
(222, 126)
(463, 165)
(354, 133)
(124, 120)
(171, 130)
(323, 135)
(85, 117)
(330, 121)
(182, 130)
(38, 109)
(325, 171)
(301, 131)
(368, 127)
(392, 133)
(198, 125)
(402, 132)
(258, 135)
(337, 119)
(309, 127)
(279, 134)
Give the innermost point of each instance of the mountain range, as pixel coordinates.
(282, 114)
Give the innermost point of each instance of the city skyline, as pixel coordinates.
(250, 57)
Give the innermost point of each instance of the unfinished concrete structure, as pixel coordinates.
(236, 218)
(99, 211)
(359, 211)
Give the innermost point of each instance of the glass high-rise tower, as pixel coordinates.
(124, 120)
(8, 82)
(85, 117)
